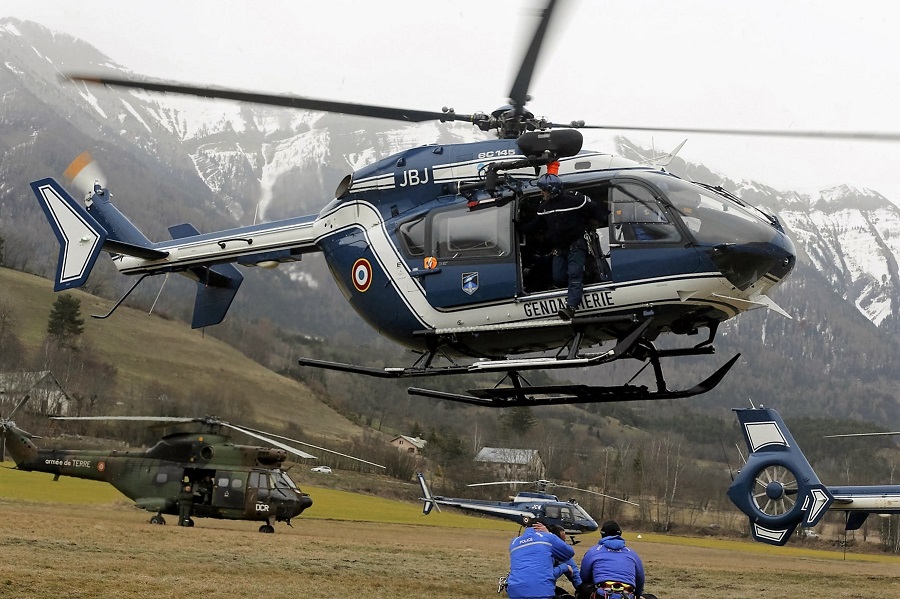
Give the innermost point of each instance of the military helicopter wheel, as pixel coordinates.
(267, 528)
(189, 522)
(157, 519)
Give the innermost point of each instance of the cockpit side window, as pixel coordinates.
(636, 215)
(462, 234)
(459, 234)
(412, 233)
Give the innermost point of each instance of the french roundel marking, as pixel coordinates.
(362, 274)
(101, 466)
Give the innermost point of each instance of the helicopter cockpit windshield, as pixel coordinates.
(711, 217)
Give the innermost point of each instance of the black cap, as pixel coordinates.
(610, 528)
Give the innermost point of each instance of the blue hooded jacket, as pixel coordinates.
(532, 557)
(611, 560)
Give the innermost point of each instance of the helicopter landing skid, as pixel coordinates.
(423, 366)
(518, 395)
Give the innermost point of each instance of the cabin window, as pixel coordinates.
(637, 216)
(222, 483)
(566, 515)
(237, 483)
(465, 234)
(161, 478)
(551, 511)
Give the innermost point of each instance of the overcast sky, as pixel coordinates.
(820, 65)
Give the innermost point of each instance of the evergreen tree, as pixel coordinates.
(518, 420)
(65, 322)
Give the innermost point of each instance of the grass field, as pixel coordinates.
(78, 539)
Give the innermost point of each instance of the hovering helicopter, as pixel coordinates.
(425, 246)
(228, 481)
(778, 489)
(525, 507)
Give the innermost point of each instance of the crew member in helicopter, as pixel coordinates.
(185, 503)
(566, 217)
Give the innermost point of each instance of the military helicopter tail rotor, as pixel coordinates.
(344, 455)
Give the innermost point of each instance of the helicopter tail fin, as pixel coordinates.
(426, 495)
(18, 443)
(83, 232)
(777, 488)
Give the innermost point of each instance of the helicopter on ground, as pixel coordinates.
(525, 507)
(227, 481)
(778, 489)
(425, 246)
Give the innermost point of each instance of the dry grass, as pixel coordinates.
(64, 550)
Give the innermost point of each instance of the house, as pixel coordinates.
(45, 392)
(512, 463)
(412, 445)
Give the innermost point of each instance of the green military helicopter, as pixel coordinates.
(195, 471)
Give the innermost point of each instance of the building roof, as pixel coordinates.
(414, 441)
(505, 455)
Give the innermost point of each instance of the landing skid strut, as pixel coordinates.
(521, 393)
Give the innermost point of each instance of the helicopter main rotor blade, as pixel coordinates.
(518, 95)
(888, 434)
(278, 444)
(18, 405)
(595, 493)
(503, 482)
(286, 100)
(131, 418)
(248, 431)
(850, 135)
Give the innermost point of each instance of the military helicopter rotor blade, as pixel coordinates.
(518, 95)
(595, 493)
(131, 418)
(254, 432)
(16, 409)
(784, 133)
(285, 100)
(269, 440)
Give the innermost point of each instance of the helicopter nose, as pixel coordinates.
(743, 264)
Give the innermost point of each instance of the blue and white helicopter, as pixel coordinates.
(524, 508)
(778, 489)
(425, 246)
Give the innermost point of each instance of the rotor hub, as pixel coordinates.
(774, 490)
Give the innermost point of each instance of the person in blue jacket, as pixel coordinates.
(532, 558)
(568, 568)
(612, 569)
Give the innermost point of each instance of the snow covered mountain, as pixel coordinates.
(215, 163)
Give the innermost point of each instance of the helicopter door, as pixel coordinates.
(229, 489)
(474, 251)
(639, 222)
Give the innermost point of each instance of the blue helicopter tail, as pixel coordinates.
(426, 495)
(777, 488)
(83, 231)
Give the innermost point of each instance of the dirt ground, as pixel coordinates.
(59, 550)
